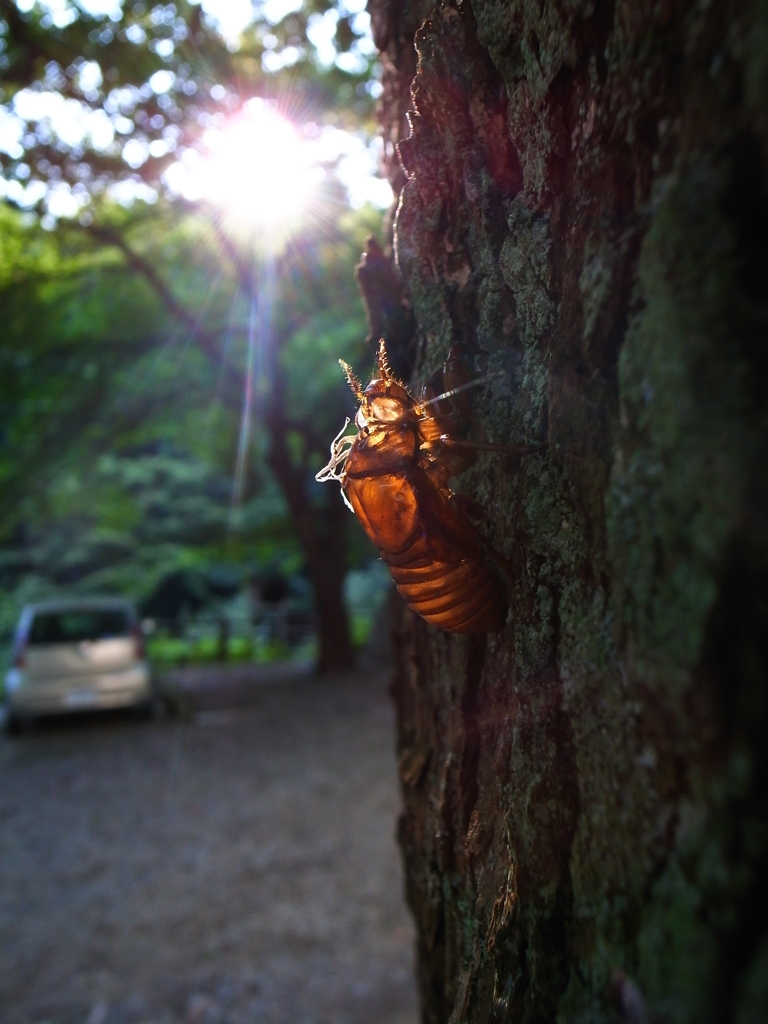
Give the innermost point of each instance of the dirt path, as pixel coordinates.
(237, 867)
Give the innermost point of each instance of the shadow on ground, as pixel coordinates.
(234, 864)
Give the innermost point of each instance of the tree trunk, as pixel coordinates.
(585, 830)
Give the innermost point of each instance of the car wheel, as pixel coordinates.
(17, 725)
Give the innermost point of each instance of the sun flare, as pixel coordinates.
(257, 171)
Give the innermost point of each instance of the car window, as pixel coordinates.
(71, 627)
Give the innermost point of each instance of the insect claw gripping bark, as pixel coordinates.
(393, 475)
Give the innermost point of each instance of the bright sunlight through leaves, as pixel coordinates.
(257, 170)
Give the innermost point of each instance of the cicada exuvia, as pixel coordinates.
(394, 476)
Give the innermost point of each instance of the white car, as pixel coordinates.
(75, 656)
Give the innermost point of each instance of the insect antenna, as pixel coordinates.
(354, 383)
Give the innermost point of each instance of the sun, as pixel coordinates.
(257, 171)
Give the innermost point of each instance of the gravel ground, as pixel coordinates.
(234, 865)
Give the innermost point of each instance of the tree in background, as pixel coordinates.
(98, 370)
(102, 312)
(585, 207)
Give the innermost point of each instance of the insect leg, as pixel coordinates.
(469, 507)
(486, 446)
(451, 392)
(465, 507)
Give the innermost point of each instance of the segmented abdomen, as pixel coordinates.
(434, 553)
(461, 597)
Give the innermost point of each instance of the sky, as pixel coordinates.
(356, 158)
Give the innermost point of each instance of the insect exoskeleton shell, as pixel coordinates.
(434, 553)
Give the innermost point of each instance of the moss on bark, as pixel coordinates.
(584, 207)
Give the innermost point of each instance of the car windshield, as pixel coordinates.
(73, 626)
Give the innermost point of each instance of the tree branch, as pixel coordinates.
(142, 266)
(208, 340)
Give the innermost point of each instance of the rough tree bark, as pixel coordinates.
(584, 205)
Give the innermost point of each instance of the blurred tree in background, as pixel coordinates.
(168, 385)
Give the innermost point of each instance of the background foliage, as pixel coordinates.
(130, 452)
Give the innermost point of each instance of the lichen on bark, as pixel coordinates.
(583, 206)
